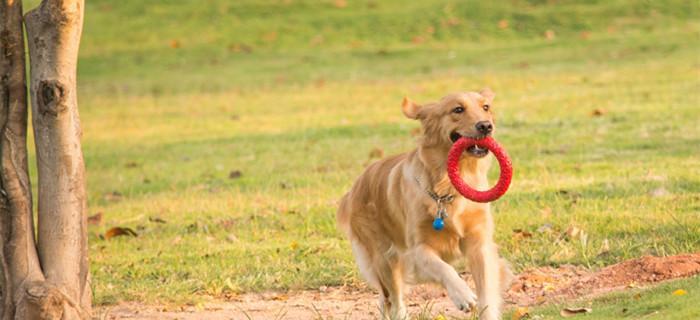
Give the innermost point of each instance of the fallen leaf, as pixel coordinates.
(572, 194)
(113, 196)
(279, 297)
(95, 219)
(356, 44)
(576, 233)
(322, 169)
(418, 39)
(523, 65)
(598, 112)
(521, 234)
(452, 22)
(520, 313)
(320, 83)
(270, 36)
(239, 47)
(131, 164)
(317, 40)
(680, 292)
(549, 35)
(119, 231)
(340, 4)
(285, 185)
(156, 220)
(235, 174)
(376, 153)
(570, 312)
(227, 223)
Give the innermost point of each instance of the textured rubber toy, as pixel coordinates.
(468, 192)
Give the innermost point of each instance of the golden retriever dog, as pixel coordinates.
(389, 212)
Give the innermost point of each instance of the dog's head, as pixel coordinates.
(459, 114)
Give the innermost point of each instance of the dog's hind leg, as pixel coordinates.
(390, 272)
(385, 276)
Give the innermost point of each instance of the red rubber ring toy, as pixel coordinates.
(503, 161)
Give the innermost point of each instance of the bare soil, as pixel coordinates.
(531, 287)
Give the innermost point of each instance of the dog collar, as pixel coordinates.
(441, 200)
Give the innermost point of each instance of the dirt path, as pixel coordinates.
(532, 287)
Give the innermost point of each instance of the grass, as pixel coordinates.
(658, 302)
(176, 95)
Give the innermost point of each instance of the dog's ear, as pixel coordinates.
(410, 109)
(488, 94)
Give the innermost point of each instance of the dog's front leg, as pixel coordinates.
(427, 265)
(486, 268)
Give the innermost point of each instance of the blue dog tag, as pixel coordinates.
(438, 224)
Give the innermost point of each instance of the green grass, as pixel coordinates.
(655, 303)
(295, 94)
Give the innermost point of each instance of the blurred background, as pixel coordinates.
(224, 132)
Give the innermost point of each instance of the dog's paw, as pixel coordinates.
(463, 297)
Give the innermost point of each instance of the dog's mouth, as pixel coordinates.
(474, 150)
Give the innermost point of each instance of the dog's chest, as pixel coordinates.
(467, 221)
(468, 216)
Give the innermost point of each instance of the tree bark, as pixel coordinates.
(53, 282)
(20, 263)
(53, 32)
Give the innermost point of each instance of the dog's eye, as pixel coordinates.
(459, 109)
(486, 107)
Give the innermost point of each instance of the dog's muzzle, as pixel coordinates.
(474, 150)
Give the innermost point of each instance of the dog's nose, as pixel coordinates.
(484, 127)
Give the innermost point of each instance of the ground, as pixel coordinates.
(222, 133)
(565, 286)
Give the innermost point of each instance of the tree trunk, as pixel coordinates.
(53, 282)
(20, 263)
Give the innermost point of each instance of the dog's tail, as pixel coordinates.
(343, 215)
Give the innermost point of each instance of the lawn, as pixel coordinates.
(672, 300)
(224, 132)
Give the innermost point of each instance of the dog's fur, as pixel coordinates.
(388, 215)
